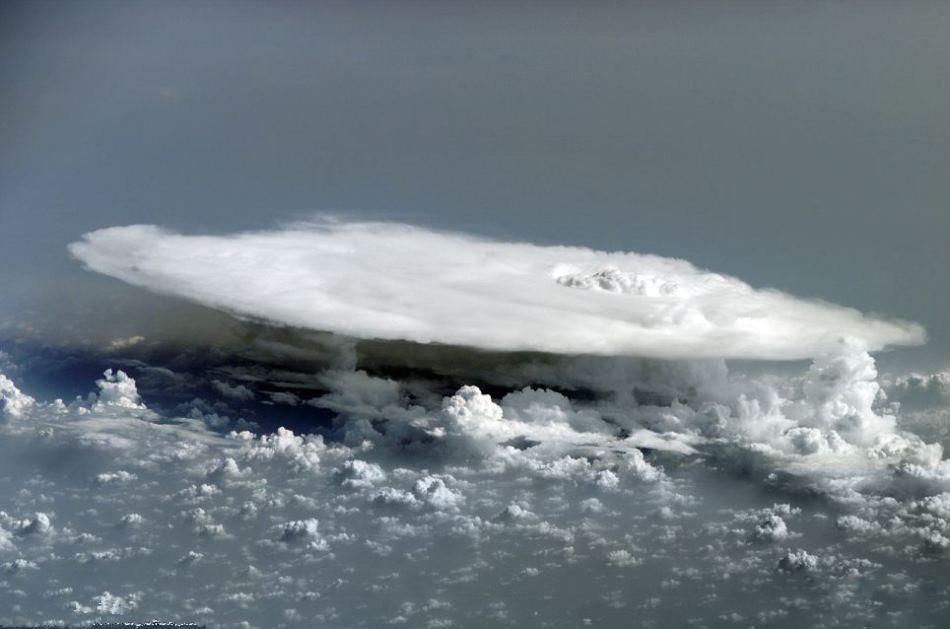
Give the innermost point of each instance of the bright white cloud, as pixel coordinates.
(13, 402)
(118, 389)
(391, 281)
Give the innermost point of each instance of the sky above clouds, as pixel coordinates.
(800, 147)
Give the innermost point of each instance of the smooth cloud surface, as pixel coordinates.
(397, 282)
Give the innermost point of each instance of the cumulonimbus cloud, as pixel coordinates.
(398, 282)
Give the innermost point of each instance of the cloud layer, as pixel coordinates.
(468, 506)
(396, 282)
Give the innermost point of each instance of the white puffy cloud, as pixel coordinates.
(107, 603)
(422, 499)
(37, 524)
(772, 528)
(828, 429)
(921, 402)
(622, 558)
(117, 389)
(433, 491)
(359, 473)
(916, 388)
(18, 565)
(119, 476)
(798, 561)
(391, 281)
(302, 532)
(300, 452)
(839, 393)
(13, 402)
(131, 519)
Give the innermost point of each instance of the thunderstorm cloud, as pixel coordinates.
(397, 282)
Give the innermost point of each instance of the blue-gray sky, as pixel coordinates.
(803, 146)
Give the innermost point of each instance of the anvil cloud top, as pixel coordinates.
(398, 282)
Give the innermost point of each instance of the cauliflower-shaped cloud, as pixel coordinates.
(118, 389)
(13, 402)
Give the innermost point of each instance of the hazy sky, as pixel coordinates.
(803, 146)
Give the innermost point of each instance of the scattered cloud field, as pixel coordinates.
(739, 500)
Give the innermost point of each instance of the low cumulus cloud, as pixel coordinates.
(413, 513)
(397, 282)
